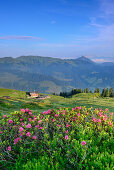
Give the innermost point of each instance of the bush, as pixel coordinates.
(77, 138)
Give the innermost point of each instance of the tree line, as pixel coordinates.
(105, 92)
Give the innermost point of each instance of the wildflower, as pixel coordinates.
(10, 121)
(66, 137)
(106, 110)
(28, 126)
(56, 115)
(72, 109)
(29, 119)
(28, 134)
(105, 117)
(21, 119)
(30, 113)
(58, 125)
(39, 121)
(99, 120)
(111, 114)
(68, 125)
(83, 143)
(40, 127)
(94, 119)
(16, 140)
(22, 110)
(53, 120)
(9, 148)
(34, 137)
(4, 116)
(21, 134)
(66, 131)
(34, 118)
(36, 126)
(21, 129)
(26, 110)
(1, 132)
(110, 124)
(78, 114)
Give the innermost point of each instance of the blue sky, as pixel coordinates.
(57, 28)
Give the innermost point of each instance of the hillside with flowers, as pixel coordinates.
(67, 138)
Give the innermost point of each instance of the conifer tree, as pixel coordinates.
(111, 92)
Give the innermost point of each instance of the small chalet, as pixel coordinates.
(34, 94)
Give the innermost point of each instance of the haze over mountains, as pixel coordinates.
(49, 75)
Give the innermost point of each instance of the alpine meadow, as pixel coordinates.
(56, 85)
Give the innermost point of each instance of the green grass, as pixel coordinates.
(18, 99)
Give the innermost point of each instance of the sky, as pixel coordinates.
(57, 28)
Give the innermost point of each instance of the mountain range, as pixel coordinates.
(52, 75)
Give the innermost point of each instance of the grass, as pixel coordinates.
(18, 99)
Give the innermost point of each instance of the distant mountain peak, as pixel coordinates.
(84, 59)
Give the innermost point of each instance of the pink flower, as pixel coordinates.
(26, 110)
(30, 113)
(68, 125)
(87, 113)
(10, 121)
(83, 143)
(111, 114)
(78, 114)
(106, 110)
(16, 140)
(1, 132)
(99, 120)
(34, 137)
(110, 123)
(66, 131)
(9, 148)
(29, 119)
(28, 134)
(53, 120)
(34, 118)
(21, 129)
(100, 114)
(66, 137)
(22, 110)
(94, 119)
(21, 134)
(105, 117)
(21, 119)
(39, 121)
(4, 116)
(36, 126)
(58, 125)
(56, 115)
(40, 127)
(28, 126)
(72, 109)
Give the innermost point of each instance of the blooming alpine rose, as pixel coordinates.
(106, 110)
(39, 121)
(78, 114)
(66, 131)
(9, 148)
(56, 115)
(26, 110)
(36, 126)
(10, 121)
(53, 120)
(28, 126)
(110, 124)
(1, 132)
(66, 137)
(21, 129)
(21, 119)
(111, 114)
(68, 125)
(105, 117)
(21, 134)
(94, 119)
(58, 125)
(34, 137)
(83, 143)
(4, 116)
(28, 134)
(99, 120)
(22, 110)
(16, 140)
(40, 127)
